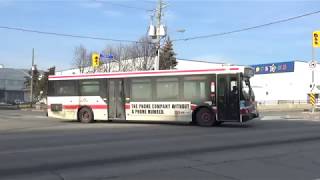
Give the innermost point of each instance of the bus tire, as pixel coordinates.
(205, 117)
(85, 115)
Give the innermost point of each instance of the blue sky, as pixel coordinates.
(281, 42)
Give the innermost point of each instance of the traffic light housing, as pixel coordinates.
(95, 59)
(316, 39)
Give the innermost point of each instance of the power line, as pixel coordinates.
(247, 28)
(123, 5)
(68, 35)
(202, 61)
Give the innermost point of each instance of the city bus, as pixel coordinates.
(205, 97)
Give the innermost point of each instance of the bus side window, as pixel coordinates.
(103, 88)
(141, 89)
(167, 88)
(66, 88)
(90, 87)
(195, 88)
(51, 88)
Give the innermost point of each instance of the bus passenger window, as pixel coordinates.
(90, 88)
(167, 88)
(195, 88)
(66, 88)
(141, 90)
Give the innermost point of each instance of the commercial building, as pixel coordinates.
(12, 86)
(285, 82)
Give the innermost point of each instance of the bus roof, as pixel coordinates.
(220, 70)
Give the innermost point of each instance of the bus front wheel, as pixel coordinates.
(85, 115)
(205, 117)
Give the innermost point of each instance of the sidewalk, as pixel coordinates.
(8, 107)
(284, 107)
(291, 114)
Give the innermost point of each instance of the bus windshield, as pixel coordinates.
(247, 93)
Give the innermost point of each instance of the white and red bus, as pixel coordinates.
(206, 97)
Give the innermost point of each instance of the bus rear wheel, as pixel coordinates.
(85, 115)
(205, 117)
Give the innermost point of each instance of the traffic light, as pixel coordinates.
(95, 59)
(316, 39)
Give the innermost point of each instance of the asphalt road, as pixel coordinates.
(280, 145)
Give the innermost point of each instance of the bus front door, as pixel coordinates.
(228, 99)
(116, 105)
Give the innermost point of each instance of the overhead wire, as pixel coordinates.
(195, 60)
(123, 5)
(67, 35)
(174, 40)
(247, 28)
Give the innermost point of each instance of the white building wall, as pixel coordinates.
(286, 86)
(184, 64)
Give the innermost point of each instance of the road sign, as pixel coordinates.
(316, 39)
(102, 55)
(110, 56)
(313, 64)
(95, 59)
(312, 99)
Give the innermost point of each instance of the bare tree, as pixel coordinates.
(125, 57)
(138, 56)
(130, 57)
(81, 58)
(108, 63)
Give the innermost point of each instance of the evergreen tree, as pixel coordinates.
(43, 82)
(39, 84)
(35, 82)
(167, 56)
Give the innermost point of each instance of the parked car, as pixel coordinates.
(17, 101)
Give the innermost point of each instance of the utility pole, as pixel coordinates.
(313, 64)
(159, 32)
(312, 79)
(31, 83)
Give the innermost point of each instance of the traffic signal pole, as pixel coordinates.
(315, 44)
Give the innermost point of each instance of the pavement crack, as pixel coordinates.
(57, 174)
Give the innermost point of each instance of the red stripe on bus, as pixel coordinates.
(99, 106)
(91, 106)
(71, 106)
(232, 69)
(193, 107)
(140, 73)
